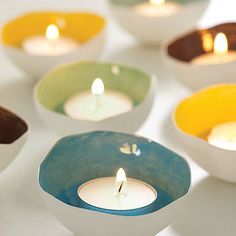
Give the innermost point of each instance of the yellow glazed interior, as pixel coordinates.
(80, 26)
(199, 113)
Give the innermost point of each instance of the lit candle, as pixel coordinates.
(220, 53)
(117, 193)
(52, 44)
(224, 136)
(97, 104)
(156, 8)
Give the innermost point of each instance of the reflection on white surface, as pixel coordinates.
(130, 149)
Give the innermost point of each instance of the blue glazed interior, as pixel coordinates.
(77, 159)
(133, 2)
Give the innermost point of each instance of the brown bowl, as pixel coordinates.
(179, 53)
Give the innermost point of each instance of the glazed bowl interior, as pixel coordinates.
(77, 159)
(11, 127)
(190, 46)
(202, 111)
(80, 26)
(63, 82)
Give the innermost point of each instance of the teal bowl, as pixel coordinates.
(53, 90)
(156, 29)
(77, 159)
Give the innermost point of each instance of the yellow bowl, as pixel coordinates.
(194, 119)
(86, 28)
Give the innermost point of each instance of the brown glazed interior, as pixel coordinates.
(11, 127)
(190, 46)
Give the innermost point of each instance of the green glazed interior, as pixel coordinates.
(133, 2)
(77, 159)
(66, 80)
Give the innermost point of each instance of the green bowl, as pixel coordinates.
(64, 81)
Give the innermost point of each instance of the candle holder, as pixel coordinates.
(178, 56)
(196, 116)
(156, 29)
(52, 92)
(79, 158)
(87, 29)
(13, 135)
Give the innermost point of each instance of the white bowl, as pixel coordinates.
(13, 132)
(193, 120)
(97, 154)
(86, 223)
(154, 30)
(82, 74)
(178, 54)
(93, 39)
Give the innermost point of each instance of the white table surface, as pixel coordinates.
(212, 210)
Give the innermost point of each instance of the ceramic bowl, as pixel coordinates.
(55, 88)
(86, 28)
(179, 53)
(194, 118)
(79, 158)
(13, 135)
(154, 30)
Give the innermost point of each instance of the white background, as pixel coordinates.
(212, 210)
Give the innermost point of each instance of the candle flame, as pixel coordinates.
(220, 44)
(120, 176)
(207, 41)
(52, 32)
(97, 87)
(157, 2)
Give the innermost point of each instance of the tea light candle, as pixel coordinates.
(96, 104)
(157, 8)
(224, 136)
(52, 44)
(117, 193)
(220, 53)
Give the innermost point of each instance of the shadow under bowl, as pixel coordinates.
(196, 116)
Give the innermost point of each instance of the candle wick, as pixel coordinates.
(120, 188)
(52, 43)
(98, 101)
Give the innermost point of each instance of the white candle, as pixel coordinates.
(117, 193)
(224, 136)
(220, 54)
(156, 8)
(52, 44)
(96, 104)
